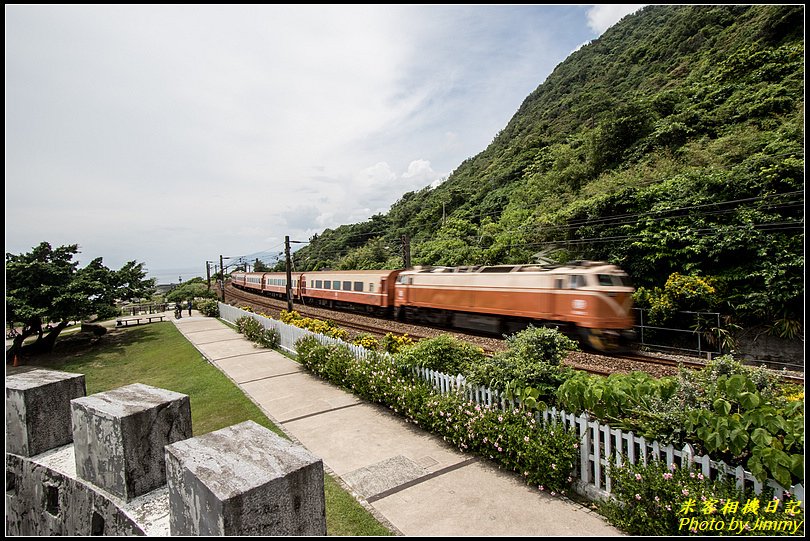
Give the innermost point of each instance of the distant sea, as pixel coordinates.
(177, 275)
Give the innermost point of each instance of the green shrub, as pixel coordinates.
(540, 345)
(734, 413)
(208, 307)
(255, 332)
(393, 343)
(443, 353)
(660, 499)
(532, 360)
(543, 456)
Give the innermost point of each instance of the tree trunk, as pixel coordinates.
(46, 341)
(50, 339)
(30, 328)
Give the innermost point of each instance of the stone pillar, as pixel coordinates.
(244, 480)
(119, 436)
(38, 410)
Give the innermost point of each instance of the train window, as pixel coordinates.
(575, 281)
(605, 279)
(558, 283)
(347, 286)
(625, 280)
(358, 286)
(371, 287)
(336, 285)
(312, 283)
(318, 284)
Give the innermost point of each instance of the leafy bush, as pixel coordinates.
(208, 307)
(319, 326)
(635, 401)
(733, 412)
(656, 499)
(391, 343)
(531, 360)
(366, 341)
(443, 353)
(544, 456)
(680, 293)
(540, 345)
(255, 332)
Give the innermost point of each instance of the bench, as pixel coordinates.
(137, 320)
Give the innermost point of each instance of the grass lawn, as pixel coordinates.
(158, 355)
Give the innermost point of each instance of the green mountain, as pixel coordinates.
(674, 143)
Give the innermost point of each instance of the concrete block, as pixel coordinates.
(119, 436)
(38, 410)
(244, 480)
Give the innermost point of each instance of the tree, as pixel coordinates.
(46, 286)
(194, 288)
(260, 266)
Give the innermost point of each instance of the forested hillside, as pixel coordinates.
(672, 146)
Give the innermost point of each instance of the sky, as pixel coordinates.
(172, 134)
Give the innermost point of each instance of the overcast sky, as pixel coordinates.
(170, 135)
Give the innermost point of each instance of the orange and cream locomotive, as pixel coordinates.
(593, 299)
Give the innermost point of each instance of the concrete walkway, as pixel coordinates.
(417, 482)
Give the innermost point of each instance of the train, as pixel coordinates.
(591, 300)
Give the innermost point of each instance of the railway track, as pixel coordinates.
(591, 362)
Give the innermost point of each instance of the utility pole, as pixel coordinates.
(222, 275)
(208, 274)
(289, 273)
(406, 251)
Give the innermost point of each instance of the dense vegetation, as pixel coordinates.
(46, 290)
(671, 144)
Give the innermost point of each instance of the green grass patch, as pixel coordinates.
(158, 355)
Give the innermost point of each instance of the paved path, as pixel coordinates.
(416, 481)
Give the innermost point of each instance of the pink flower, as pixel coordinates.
(540, 487)
(499, 449)
(700, 476)
(500, 418)
(667, 476)
(692, 474)
(685, 492)
(657, 499)
(553, 466)
(553, 493)
(638, 496)
(526, 439)
(673, 466)
(638, 477)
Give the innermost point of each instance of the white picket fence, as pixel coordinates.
(600, 445)
(289, 334)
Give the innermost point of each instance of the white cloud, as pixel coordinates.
(603, 16)
(170, 134)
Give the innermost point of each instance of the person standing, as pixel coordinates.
(189, 307)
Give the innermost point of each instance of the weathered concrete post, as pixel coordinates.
(38, 410)
(119, 437)
(244, 480)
